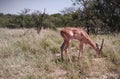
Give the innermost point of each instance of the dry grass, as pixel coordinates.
(37, 57)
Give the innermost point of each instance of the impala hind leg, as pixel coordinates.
(66, 51)
(80, 50)
(62, 50)
(67, 54)
(63, 47)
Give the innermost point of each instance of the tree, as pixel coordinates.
(103, 14)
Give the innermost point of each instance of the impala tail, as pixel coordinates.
(62, 33)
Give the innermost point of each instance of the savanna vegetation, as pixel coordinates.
(98, 16)
(34, 56)
(24, 54)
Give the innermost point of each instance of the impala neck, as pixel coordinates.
(92, 44)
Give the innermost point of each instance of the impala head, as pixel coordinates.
(99, 49)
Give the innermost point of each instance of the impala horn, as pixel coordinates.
(101, 45)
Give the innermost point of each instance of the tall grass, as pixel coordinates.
(36, 56)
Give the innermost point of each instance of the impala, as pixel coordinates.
(70, 33)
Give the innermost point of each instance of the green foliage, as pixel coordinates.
(104, 14)
(98, 16)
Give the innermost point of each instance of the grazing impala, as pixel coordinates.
(81, 35)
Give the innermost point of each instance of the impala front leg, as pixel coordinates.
(80, 50)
